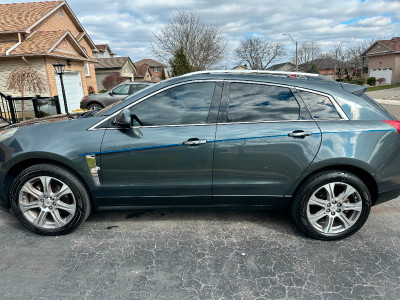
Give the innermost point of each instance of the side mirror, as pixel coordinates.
(110, 93)
(123, 119)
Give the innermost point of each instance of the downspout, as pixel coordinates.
(15, 46)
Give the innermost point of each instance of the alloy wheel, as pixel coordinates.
(47, 202)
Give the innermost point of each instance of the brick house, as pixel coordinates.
(43, 33)
(384, 60)
(150, 70)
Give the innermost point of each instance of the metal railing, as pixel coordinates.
(42, 107)
(255, 72)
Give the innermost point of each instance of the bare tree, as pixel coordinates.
(258, 53)
(307, 53)
(26, 79)
(203, 43)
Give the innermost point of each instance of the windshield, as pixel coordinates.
(118, 102)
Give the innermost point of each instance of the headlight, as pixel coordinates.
(7, 133)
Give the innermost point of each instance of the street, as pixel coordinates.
(201, 254)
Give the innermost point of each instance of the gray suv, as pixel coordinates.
(120, 92)
(265, 140)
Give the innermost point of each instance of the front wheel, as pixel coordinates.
(94, 106)
(49, 200)
(331, 205)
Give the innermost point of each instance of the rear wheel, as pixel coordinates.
(331, 205)
(49, 200)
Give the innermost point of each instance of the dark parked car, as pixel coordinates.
(121, 91)
(264, 140)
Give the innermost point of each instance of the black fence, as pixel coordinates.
(38, 107)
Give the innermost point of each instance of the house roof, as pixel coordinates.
(18, 17)
(149, 62)
(111, 62)
(45, 43)
(277, 67)
(104, 47)
(392, 45)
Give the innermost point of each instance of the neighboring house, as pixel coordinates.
(286, 67)
(108, 66)
(150, 70)
(240, 67)
(330, 67)
(103, 51)
(384, 60)
(43, 33)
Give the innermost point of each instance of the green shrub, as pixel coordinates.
(339, 79)
(348, 77)
(371, 81)
(103, 91)
(359, 81)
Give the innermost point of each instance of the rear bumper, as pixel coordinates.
(387, 196)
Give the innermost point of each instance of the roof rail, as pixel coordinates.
(254, 72)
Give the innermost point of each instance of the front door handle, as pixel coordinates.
(194, 142)
(299, 134)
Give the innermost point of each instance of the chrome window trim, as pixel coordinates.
(152, 94)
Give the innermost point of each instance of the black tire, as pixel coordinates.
(58, 176)
(304, 209)
(94, 106)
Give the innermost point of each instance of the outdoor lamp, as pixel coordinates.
(59, 67)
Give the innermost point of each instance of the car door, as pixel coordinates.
(265, 140)
(168, 159)
(118, 93)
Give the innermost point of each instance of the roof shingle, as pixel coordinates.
(149, 62)
(19, 16)
(111, 62)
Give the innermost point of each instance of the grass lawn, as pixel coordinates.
(382, 87)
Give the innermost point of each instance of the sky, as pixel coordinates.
(128, 26)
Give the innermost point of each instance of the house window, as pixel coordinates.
(157, 69)
(87, 70)
(61, 13)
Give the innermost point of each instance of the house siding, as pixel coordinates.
(391, 61)
(55, 22)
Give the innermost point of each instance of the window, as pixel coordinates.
(137, 87)
(184, 104)
(157, 69)
(256, 102)
(321, 107)
(121, 90)
(87, 70)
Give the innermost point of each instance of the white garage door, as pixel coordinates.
(382, 73)
(73, 90)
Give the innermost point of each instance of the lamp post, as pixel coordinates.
(59, 68)
(297, 61)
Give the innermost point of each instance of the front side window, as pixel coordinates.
(256, 103)
(321, 107)
(180, 105)
(137, 87)
(121, 90)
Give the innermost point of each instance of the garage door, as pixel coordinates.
(73, 90)
(382, 73)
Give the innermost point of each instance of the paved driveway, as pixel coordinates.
(200, 254)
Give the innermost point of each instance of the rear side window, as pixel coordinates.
(321, 107)
(256, 103)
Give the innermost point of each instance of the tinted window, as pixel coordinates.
(256, 102)
(121, 90)
(184, 104)
(137, 87)
(320, 106)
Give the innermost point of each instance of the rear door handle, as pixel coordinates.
(194, 142)
(299, 134)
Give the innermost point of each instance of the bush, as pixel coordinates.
(359, 81)
(348, 77)
(339, 79)
(371, 81)
(103, 91)
(112, 80)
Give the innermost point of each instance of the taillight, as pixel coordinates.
(395, 124)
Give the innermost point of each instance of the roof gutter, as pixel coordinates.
(15, 46)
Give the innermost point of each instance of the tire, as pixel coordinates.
(49, 200)
(324, 215)
(94, 106)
